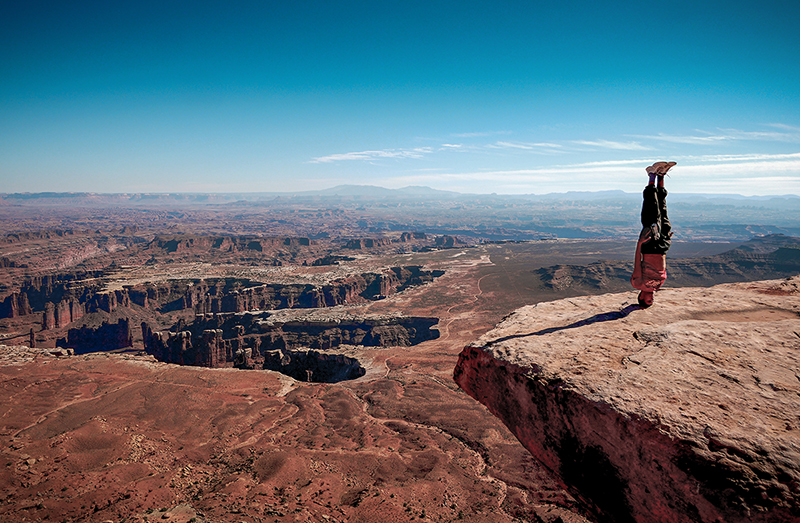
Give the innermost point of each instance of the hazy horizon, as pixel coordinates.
(377, 191)
(515, 98)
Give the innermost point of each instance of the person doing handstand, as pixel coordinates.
(650, 262)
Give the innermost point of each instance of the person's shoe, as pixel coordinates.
(663, 167)
(660, 168)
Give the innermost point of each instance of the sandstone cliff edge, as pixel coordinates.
(686, 411)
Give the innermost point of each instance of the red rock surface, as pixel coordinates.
(686, 411)
(105, 437)
(224, 445)
(98, 437)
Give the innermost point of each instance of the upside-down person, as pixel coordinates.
(650, 263)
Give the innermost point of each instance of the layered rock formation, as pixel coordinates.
(188, 242)
(106, 337)
(61, 314)
(248, 340)
(686, 411)
(15, 304)
(367, 243)
(64, 298)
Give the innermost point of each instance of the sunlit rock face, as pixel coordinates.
(686, 411)
(67, 297)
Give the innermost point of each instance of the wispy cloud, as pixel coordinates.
(793, 136)
(754, 167)
(785, 127)
(747, 174)
(418, 152)
(608, 144)
(700, 138)
(479, 135)
(524, 145)
(743, 157)
(768, 157)
(788, 134)
(554, 173)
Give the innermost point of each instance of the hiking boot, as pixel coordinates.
(652, 169)
(666, 166)
(660, 168)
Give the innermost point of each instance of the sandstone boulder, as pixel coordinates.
(686, 411)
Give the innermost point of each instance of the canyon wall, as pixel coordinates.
(64, 298)
(242, 340)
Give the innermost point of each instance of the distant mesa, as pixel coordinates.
(447, 242)
(367, 243)
(151, 199)
(374, 243)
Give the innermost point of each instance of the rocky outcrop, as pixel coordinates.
(242, 340)
(210, 297)
(15, 304)
(331, 259)
(106, 337)
(411, 236)
(367, 243)
(447, 242)
(37, 235)
(686, 411)
(61, 314)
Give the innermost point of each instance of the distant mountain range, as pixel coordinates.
(356, 192)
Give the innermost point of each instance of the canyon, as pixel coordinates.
(265, 339)
(291, 358)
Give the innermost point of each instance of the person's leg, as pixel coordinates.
(666, 226)
(660, 225)
(654, 210)
(651, 208)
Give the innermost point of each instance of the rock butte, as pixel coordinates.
(686, 411)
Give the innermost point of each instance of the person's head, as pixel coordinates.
(645, 299)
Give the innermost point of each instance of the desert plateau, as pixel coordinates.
(291, 358)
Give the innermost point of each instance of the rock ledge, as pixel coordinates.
(687, 411)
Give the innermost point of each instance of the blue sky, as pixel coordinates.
(505, 97)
